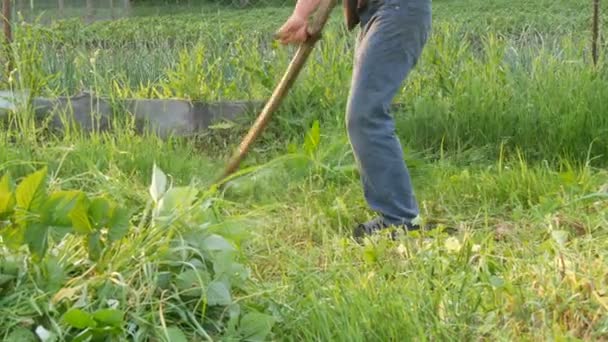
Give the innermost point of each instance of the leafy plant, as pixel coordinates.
(206, 270)
(100, 324)
(32, 216)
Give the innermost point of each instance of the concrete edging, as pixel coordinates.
(163, 117)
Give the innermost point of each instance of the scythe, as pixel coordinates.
(283, 87)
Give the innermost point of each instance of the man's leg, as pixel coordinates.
(390, 44)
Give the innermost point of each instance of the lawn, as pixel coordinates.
(122, 236)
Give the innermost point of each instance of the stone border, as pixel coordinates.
(163, 117)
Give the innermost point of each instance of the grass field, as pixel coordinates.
(505, 132)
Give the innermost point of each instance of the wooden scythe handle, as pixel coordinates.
(292, 72)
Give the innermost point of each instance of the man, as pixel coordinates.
(393, 34)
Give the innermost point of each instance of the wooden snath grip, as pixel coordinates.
(281, 90)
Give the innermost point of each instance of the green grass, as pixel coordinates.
(501, 280)
(492, 70)
(506, 138)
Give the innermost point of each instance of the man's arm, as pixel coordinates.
(304, 8)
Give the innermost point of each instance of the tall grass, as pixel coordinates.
(535, 93)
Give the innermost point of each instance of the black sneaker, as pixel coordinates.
(378, 224)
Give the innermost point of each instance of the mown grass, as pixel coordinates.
(505, 135)
(528, 261)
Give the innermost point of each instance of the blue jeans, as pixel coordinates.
(393, 35)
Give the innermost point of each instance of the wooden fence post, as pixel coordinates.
(596, 24)
(90, 11)
(61, 6)
(8, 34)
(6, 15)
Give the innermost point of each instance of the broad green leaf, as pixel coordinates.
(163, 280)
(59, 232)
(159, 184)
(241, 187)
(5, 278)
(118, 226)
(94, 246)
(58, 206)
(256, 326)
(10, 265)
(238, 274)
(235, 230)
(79, 319)
(312, 138)
(205, 212)
(234, 312)
(80, 216)
(225, 268)
(218, 294)
(175, 199)
(13, 236)
(192, 282)
(22, 335)
(111, 317)
(100, 210)
(55, 275)
(222, 262)
(174, 334)
(7, 198)
(36, 237)
(216, 242)
(30, 192)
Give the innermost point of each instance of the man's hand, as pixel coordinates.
(294, 31)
